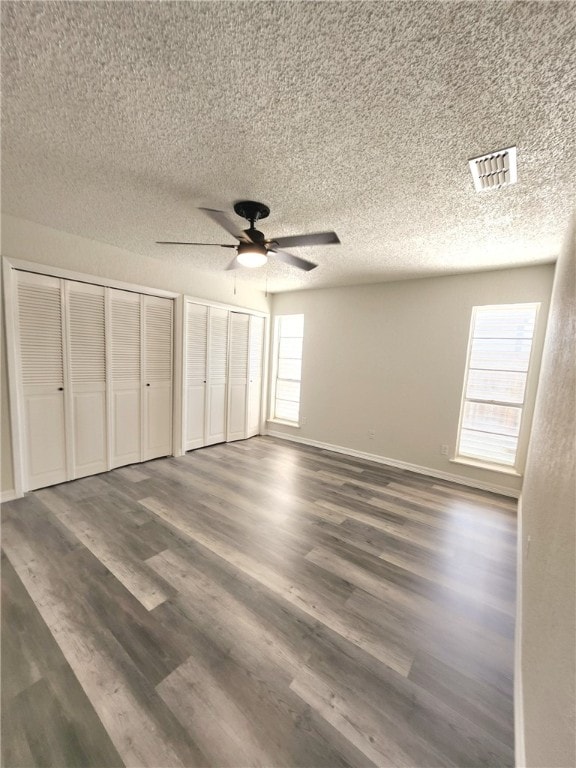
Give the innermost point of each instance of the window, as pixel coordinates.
(288, 335)
(495, 382)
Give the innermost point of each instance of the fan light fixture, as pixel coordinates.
(253, 249)
(252, 255)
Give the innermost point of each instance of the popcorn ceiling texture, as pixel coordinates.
(121, 119)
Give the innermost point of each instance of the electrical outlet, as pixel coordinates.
(444, 449)
(371, 434)
(303, 420)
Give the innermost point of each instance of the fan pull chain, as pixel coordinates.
(235, 285)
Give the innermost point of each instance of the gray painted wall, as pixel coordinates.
(391, 357)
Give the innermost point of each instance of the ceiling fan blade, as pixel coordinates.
(294, 261)
(222, 219)
(177, 242)
(234, 264)
(315, 238)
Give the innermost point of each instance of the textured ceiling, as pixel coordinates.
(121, 119)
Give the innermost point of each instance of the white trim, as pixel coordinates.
(83, 277)
(108, 382)
(69, 436)
(16, 394)
(285, 423)
(178, 436)
(519, 732)
(274, 344)
(229, 307)
(275, 367)
(182, 313)
(501, 468)
(14, 377)
(9, 496)
(265, 374)
(502, 490)
(13, 364)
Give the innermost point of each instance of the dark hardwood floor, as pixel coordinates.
(258, 603)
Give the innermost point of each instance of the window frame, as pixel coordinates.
(513, 468)
(275, 367)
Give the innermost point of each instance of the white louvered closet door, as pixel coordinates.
(196, 373)
(237, 376)
(124, 381)
(255, 361)
(157, 377)
(87, 377)
(217, 375)
(42, 366)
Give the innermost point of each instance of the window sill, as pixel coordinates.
(503, 470)
(294, 424)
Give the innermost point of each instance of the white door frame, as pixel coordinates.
(180, 421)
(15, 390)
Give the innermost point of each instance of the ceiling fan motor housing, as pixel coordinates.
(251, 210)
(255, 236)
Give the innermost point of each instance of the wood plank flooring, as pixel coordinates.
(258, 603)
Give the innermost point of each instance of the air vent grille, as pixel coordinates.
(494, 171)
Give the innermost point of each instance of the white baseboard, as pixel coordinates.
(502, 490)
(519, 733)
(7, 496)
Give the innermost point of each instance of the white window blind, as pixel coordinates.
(288, 359)
(495, 382)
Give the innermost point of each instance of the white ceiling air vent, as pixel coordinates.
(493, 171)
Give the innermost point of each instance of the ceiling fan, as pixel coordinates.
(253, 248)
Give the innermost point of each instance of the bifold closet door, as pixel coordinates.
(255, 361)
(124, 385)
(157, 377)
(237, 376)
(87, 377)
(140, 330)
(196, 346)
(217, 376)
(42, 370)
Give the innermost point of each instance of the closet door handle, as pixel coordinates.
(147, 385)
(60, 389)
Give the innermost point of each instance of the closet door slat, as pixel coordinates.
(87, 341)
(125, 379)
(125, 323)
(238, 375)
(255, 363)
(87, 362)
(40, 319)
(217, 375)
(196, 374)
(196, 347)
(157, 377)
(41, 351)
(158, 339)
